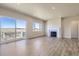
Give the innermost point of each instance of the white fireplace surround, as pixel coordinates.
(53, 29)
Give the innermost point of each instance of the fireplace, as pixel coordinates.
(53, 34)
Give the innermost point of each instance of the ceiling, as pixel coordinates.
(46, 11)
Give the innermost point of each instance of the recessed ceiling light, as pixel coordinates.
(53, 8)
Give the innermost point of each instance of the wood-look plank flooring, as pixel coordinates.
(43, 46)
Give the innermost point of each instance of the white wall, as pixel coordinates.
(66, 29)
(54, 25)
(29, 19)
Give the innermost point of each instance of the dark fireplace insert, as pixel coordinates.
(53, 34)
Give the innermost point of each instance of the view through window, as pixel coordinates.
(37, 26)
(20, 29)
(11, 29)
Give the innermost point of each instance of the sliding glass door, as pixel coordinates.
(7, 29)
(12, 29)
(20, 29)
(0, 31)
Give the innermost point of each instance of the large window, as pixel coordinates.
(36, 26)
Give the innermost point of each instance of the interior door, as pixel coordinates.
(78, 30)
(74, 29)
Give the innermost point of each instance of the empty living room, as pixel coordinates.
(39, 29)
